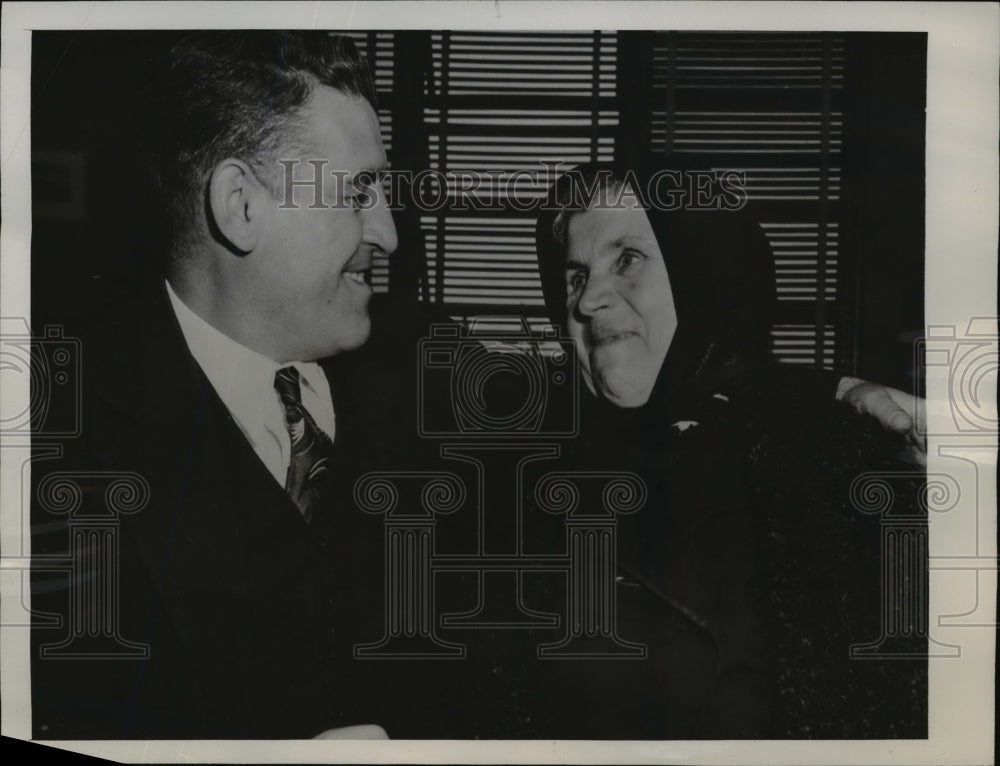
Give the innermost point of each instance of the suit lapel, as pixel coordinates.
(211, 497)
(207, 482)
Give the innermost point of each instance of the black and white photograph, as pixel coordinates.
(607, 377)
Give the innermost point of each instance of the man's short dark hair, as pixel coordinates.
(239, 94)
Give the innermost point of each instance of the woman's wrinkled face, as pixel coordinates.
(619, 303)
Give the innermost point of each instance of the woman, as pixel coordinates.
(660, 342)
(670, 312)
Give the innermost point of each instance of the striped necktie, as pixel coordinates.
(311, 447)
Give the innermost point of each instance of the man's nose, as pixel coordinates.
(380, 230)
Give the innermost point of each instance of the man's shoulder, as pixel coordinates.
(122, 336)
(136, 373)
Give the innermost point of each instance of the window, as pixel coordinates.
(517, 108)
(769, 105)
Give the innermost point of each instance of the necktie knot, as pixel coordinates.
(286, 383)
(310, 446)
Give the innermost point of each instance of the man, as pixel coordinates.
(230, 395)
(215, 398)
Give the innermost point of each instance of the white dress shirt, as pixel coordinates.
(244, 380)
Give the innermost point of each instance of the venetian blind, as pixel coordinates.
(380, 50)
(514, 109)
(518, 108)
(768, 105)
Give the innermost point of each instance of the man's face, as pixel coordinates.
(621, 310)
(310, 282)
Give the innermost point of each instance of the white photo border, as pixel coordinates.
(961, 281)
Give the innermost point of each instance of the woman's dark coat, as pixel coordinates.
(748, 533)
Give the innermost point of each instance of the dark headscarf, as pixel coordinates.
(721, 272)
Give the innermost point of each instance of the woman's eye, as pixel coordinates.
(629, 258)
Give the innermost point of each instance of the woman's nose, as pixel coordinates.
(597, 294)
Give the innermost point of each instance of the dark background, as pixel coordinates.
(95, 232)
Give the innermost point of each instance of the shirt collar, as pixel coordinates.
(244, 378)
(232, 368)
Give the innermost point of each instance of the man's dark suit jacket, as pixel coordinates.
(234, 594)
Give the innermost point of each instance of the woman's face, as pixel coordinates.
(619, 303)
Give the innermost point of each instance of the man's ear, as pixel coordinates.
(235, 201)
